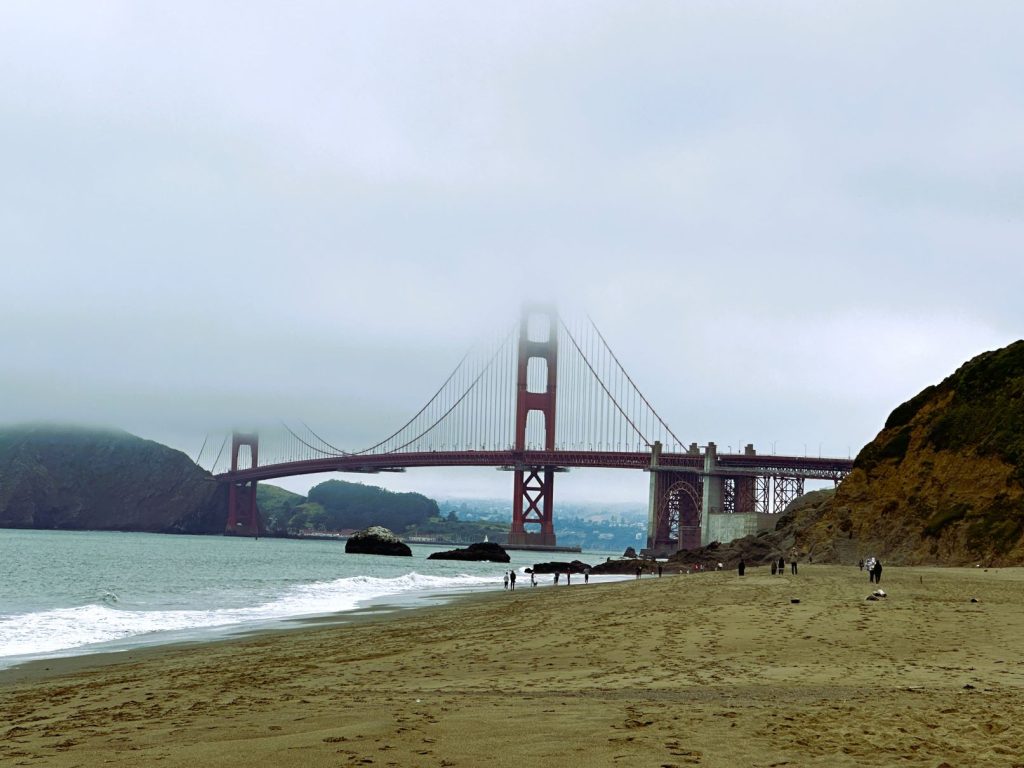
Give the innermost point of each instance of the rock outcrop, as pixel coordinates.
(376, 540)
(576, 566)
(103, 480)
(482, 551)
(943, 482)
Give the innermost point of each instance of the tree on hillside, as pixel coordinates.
(354, 505)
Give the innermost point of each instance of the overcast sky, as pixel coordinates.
(787, 218)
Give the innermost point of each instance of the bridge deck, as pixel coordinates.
(726, 464)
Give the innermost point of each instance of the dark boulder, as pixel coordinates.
(483, 551)
(376, 540)
(620, 566)
(556, 567)
(630, 552)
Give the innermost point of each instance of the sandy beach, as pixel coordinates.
(709, 670)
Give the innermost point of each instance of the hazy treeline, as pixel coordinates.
(336, 505)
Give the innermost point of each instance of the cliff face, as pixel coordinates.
(79, 479)
(942, 483)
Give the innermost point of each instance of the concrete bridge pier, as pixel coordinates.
(711, 503)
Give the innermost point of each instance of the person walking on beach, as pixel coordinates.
(775, 567)
(792, 564)
(782, 565)
(876, 571)
(639, 570)
(568, 576)
(512, 580)
(556, 578)
(659, 570)
(741, 567)
(860, 564)
(586, 575)
(533, 579)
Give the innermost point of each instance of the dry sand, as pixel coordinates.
(709, 670)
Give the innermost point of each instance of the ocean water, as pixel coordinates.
(68, 592)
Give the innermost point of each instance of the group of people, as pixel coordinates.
(640, 570)
(874, 569)
(568, 576)
(779, 567)
(509, 578)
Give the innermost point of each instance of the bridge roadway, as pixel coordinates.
(726, 465)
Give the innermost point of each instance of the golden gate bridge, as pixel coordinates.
(542, 399)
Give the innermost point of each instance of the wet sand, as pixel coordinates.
(709, 670)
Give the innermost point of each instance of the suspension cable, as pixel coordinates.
(216, 461)
(436, 395)
(617, 406)
(630, 380)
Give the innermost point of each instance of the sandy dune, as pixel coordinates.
(709, 670)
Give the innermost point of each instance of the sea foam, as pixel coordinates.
(63, 629)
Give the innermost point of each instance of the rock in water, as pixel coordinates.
(376, 540)
(482, 551)
(630, 552)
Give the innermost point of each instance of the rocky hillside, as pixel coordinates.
(87, 479)
(942, 483)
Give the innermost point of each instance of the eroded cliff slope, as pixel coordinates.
(88, 479)
(943, 482)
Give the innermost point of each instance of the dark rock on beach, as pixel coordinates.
(376, 540)
(483, 551)
(576, 566)
(619, 566)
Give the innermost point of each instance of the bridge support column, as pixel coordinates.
(787, 488)
(534, 494)
(655, 536)
(533, 504)
(243, 515)
(745, 496)
(711, 501)
(674, 509)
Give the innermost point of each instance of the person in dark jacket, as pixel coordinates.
(876, 571)
(741, 567)
(782, 565)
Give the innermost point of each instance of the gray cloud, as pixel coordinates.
(787, 220)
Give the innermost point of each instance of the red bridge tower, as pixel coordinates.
(243, 517)
(534, 494)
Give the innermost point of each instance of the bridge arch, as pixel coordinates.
(680, 513)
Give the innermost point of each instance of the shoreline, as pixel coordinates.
(387, 608)
(710, 670)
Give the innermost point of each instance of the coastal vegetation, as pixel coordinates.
(337, 505)
(943, 482)
(75, 478)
